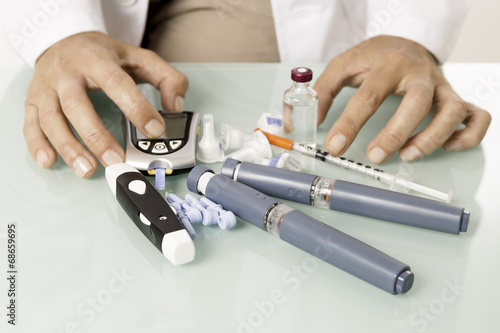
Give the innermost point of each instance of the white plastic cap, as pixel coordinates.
(231, 137)
(256, 147)
(209, 148)
(178, 247)
(285, 161)
(271, 123)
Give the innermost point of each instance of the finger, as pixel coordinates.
(54, 125)
(329, 84)
(38, 145)
(477, 122)
(450, 112)
(360, 108)
(415, 105)
(81, 114)
(122, 89)
(172, 84)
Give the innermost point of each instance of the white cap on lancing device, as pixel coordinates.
(150, 212)
(178, 247)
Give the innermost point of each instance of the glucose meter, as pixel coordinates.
(173, 151)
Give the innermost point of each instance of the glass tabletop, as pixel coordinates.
(83, 266)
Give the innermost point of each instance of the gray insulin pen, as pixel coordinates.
(349, 197)
(303, 231)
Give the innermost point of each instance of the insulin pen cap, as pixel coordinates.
(229, 167)
(244, 201)
(194, 176)
(277, 182)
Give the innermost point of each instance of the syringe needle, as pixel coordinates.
(375, 173)
(430, 192)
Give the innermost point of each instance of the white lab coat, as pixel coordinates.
(306, 30)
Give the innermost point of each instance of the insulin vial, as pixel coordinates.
(300, 108)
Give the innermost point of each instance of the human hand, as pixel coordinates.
(57, 94)
(386, 65)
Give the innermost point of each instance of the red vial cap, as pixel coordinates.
(302, 74)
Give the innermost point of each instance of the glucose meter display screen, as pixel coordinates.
(174, 128)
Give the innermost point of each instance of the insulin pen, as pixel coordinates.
(349, 197)
(150, 213)
(374, 173)
(303, 231)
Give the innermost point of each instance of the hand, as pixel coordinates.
(386, 65)
(57, 94)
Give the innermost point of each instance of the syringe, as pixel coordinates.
(395, 182)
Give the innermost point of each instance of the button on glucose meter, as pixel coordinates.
(175, 144)
(160, 148)
(144, 145)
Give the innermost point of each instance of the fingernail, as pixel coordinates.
(377, 155)
(337, 144)
(111, 157)
(410, 153)
(41, 158)
(154, 128)
(81, 166)
(454, 145)
(179, 103)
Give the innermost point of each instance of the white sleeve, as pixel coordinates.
(32, 26)
(434, 24)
